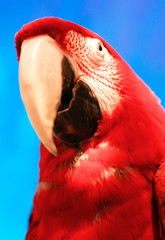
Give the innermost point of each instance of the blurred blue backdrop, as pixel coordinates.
(136, 29)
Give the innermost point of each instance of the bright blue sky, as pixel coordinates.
(136, 29)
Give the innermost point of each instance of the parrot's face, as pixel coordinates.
(95, 66)
(66, 83)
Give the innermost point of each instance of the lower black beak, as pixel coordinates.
(79, 121)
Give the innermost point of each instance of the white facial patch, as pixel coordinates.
(95, 66)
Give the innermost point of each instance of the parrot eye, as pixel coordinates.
(100, 49)
(97, 51)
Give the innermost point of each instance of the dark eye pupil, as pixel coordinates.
(100, 48)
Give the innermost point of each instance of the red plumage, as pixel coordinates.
(103, 188)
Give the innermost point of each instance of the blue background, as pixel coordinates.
(136, 29)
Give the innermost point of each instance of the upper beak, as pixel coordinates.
(40, 77)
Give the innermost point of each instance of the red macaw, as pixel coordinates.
(102, 131)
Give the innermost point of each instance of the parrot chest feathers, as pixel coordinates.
(99, 194)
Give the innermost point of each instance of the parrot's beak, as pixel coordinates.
(57, 102)
(40, 76)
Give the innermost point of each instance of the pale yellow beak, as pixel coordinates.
(40, 77)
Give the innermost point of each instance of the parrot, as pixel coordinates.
(102, 134)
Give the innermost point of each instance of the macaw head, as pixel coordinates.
(70, 79)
